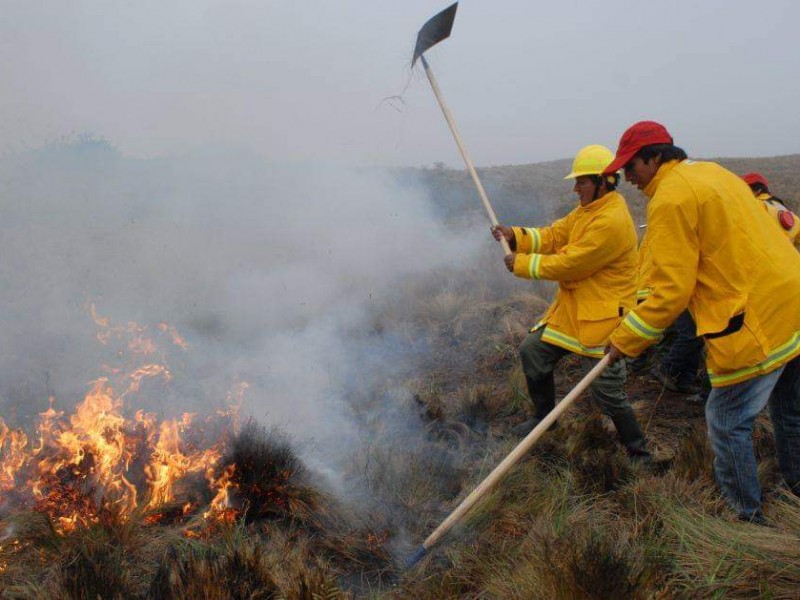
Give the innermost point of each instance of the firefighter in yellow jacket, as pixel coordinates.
(788, 222)
(592, 254)
(715, 251)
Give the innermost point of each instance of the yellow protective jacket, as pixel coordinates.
(644, 269)
(715, 251)
(592, 254)
(775, 209)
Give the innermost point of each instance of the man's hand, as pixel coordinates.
(614, 354)
(500, 231)
(509, 260)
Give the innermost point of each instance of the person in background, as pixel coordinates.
(591, 253)
(715, 252)
(785, 218)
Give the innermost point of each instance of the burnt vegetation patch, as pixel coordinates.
(268, 479)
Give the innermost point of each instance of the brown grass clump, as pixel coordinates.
(694, 458)
(243, 564)
(716, 557)
(269, 479)
(597, 463)
(204, 573)
(96, 569)
(586, 562)
(104, 561)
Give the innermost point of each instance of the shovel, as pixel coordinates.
(509, 461)
(436, 29)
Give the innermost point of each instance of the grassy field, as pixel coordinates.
(575, 519)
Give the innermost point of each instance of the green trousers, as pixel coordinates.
(539, 359)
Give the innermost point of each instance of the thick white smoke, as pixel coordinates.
(269, 272)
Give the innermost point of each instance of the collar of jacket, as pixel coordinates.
(599, 203)
(650, 190)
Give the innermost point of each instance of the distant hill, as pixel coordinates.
(537, 193)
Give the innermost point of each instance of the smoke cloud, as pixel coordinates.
(270, 273)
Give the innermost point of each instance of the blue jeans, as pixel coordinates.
(730, 413)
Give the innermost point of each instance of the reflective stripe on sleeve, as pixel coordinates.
(535, 237)
(534, 265)
(640, 328)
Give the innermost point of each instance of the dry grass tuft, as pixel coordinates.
(95, 568)
(581, 563)
(270, 480)
(717, 557)
(597, 463)
(694, 458)
(243, 572)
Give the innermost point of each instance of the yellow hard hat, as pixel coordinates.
(591, 160)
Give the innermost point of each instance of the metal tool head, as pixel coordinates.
(418, 555)
(436, 29)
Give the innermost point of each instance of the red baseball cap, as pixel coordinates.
(636, 137)
(753, 178)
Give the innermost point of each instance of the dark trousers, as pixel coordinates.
(540, 358)
(683, 358)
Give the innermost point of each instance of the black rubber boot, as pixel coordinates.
(543, 394)
(631, 436)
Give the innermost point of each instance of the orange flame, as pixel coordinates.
(96, 464)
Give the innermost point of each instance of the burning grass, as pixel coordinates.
(267, 533)
(265, 479)
(199, 507)
(114, 503)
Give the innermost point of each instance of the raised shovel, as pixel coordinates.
(509, 461)
(436, 29)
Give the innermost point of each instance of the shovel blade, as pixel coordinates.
(436, 29)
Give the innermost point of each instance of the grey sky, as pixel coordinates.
(527, 81)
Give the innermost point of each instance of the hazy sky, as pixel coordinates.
(295, 81)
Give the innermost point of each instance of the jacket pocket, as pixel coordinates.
(596, 321)
(736, 350)
(734, 324)
(599, 310)
(714, 314)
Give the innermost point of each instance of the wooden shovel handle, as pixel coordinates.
(470, 167)
(514, 456)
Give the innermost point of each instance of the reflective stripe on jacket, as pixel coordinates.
(643, 271)
(592, 254)
(715, 251)
(782, 217)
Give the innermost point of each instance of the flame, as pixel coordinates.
(176, 338)
(97, 464)
(376, 539)
(13, 446)
(169, 463)
(225, 487)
